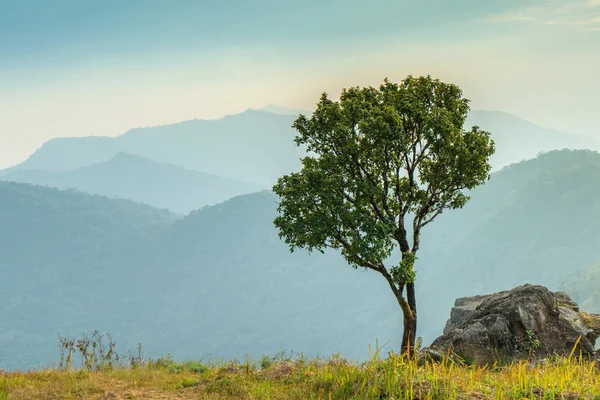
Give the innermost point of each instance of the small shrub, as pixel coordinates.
(265, 362)
(195, 366)
(162, 362)
(187, 383)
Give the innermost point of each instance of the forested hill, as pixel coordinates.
(47, 235)
(35, 219)
(220, 283)
(536, 221)
(527, 221)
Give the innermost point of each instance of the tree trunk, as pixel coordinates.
(409, 310)
(409, 335)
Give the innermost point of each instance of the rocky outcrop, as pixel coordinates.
(528, 321)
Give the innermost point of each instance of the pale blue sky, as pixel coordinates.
(83, 67)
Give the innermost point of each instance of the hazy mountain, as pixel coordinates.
(140, 179)
(257, 146)
(220, 282)
(517, 139)
(253, 146)
(45, 230)
(284, 110)
(583, 287)
(59, 253)
(537, 221)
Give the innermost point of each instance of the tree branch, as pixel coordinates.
(430, 219)
(406, 310)
(361, 262)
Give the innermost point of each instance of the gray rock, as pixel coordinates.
(429, 355)
(528, 321)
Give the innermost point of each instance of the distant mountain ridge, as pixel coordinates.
(274, 109)
(140, 179)
(257, 146)
(518, 139)
(253, 146)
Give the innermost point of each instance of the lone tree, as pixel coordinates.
(382, 163)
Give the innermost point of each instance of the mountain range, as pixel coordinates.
(220, 283)
(254, 146)
(257, 146)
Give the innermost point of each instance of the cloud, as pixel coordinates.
(509, 18)
(577, 14)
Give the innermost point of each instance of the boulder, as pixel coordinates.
(527, 322)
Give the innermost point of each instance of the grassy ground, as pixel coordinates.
(392, 378)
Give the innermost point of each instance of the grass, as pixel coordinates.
(392, 378)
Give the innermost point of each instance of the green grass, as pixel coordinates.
(4, 389)
(392, 378)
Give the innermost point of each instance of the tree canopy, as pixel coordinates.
(378, 160)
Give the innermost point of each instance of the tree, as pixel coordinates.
(378, 160)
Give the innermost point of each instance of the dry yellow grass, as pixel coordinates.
(392, 378)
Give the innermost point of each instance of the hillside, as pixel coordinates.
(537, 221)
(534, 213)
(160, 286)
(584, 286)
(142, 180)
(38, 218)
(219, 282)
(253, 146)
(60, 252)
(523, 226)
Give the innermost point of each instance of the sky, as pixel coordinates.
(88, 67)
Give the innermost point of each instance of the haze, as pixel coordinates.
(70, 68)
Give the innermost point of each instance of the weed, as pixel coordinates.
(531, 343)
(97, 352)
(4, 389)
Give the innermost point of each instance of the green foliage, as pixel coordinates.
(532, 343)
(196, 367)
(187, 383)
(376, 156)
(166, 363)
(280, 357)
(405, 272)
